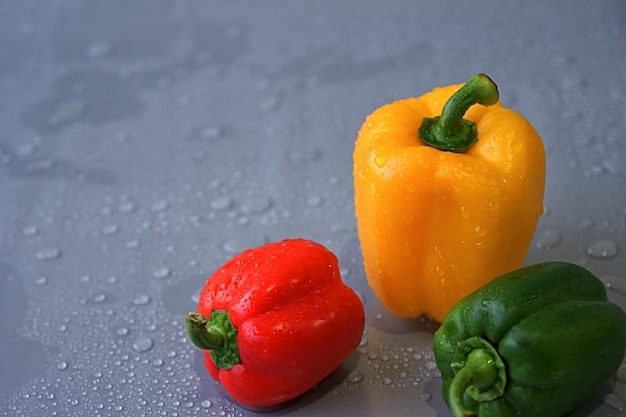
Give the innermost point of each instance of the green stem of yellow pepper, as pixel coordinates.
(450, 131)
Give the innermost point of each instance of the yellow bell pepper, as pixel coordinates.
(446, 198)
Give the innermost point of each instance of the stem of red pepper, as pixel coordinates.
(450, 131)
(215, 334)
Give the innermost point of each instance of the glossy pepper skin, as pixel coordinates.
(435, 224)
(276, 320)
(536, 342)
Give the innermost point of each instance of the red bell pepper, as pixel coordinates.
(276, 320)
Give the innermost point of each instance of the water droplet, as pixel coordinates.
(132, 244)
(61, 366)
(585, 224)
(206, 404)
(387, 381)
(255, 204)
(184, 100)
(221, 203)
(268, 103)
(160, 205)
(27, 149)
(425, 397)
(195, 297)
(162, 272)
(127, 207)
(99, 298)
(30, 231)
(143, 344)
(430, 365)
(99, 49)
(380, 160)
(480, 231)
(616, 167)
(122, 331)
(68, 111)
(49, 254)
(612, 401)
(41, 281)
(603, 249)
(548, 239)
(616, 284)
(5, 158)
(123, 136)
(355, 377)
(343, 227)
(110, 230)
(141, 299)
(314, 200)
(211, 132)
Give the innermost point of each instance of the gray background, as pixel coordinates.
(143, 143)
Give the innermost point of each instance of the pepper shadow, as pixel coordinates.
(595, 402)
(21, 360)
(309, 400)
(384, 321)
(324, 389)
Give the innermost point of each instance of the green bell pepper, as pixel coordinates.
(536, 342)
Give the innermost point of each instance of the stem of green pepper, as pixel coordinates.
(215, 334)
(479, 373)
(450, 131)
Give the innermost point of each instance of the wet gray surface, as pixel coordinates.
(144, 143)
